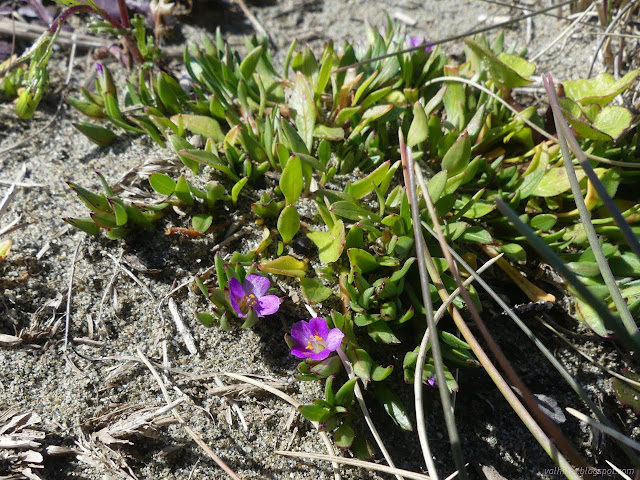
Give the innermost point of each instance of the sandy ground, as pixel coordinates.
(91, 385)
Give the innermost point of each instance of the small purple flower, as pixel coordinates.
(415, 42)
(251, 295)
(431, 381)
(314, 339)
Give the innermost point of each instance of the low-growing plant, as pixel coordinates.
(30, 84)
(328, 138)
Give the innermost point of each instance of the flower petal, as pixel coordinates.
(301, 332)
(256, 284)
(267, 305)
(320, 355)
(300, 352)
(318, 326)
(334, 339)
(235, 288)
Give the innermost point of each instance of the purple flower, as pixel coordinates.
(431, 381)
(415, 42)
(251, 295)
(314, 339)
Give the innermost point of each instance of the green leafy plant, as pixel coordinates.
(317, 149)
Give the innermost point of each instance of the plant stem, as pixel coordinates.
(60, 19)
(365, 410)
(124, 14)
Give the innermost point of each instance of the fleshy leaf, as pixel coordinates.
(200, 124)
(601, 89)
(291, 180)
(457, 157)
(330, 244)
(344, 436)
(502, 70)
(314, 291)
(394, 407)
(162, 183)
(418, 131)
(288, 223)
(303, 109)
(362, 260)
(628, 395)
(286, 265)
(5, 246)
(201, 222)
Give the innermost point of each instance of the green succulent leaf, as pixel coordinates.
(201, 222)
(599, 90)
(419, 130)
(394, 407)
(613, 121)
(353, 211)
(162, 183)
(458, 156)
(381, 332)
(287, 266)
(86, 224)
(303, 109)
(362, 260)
(554, 182)
(291, 180)
(201, 125)
(314, 291)
(99, 135)
(288, 223)
(507, 71)
(314, 413)
(366, 185)
(330, 244)
(344, 436)
(345, 395)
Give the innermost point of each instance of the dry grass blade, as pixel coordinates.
(32, 31)
(8, 196)
(102, 458)
(588, 358)
(182, 328)
(358, 463)
(575, 24)
(67, 315)
(530, 400)
(187, 428)
(620, 472)
(17, 439)
(422, 354)
(408, 170)
(471, 33)
(603, 428)
(292, 401)
(613, 24)
(142, 422)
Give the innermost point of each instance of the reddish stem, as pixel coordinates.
(59, 21)
(124, 13)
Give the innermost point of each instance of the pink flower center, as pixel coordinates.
(316, 344)
(246, 302)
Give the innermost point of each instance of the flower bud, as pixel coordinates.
(26, 104)
(389, 310)
(104, 80)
